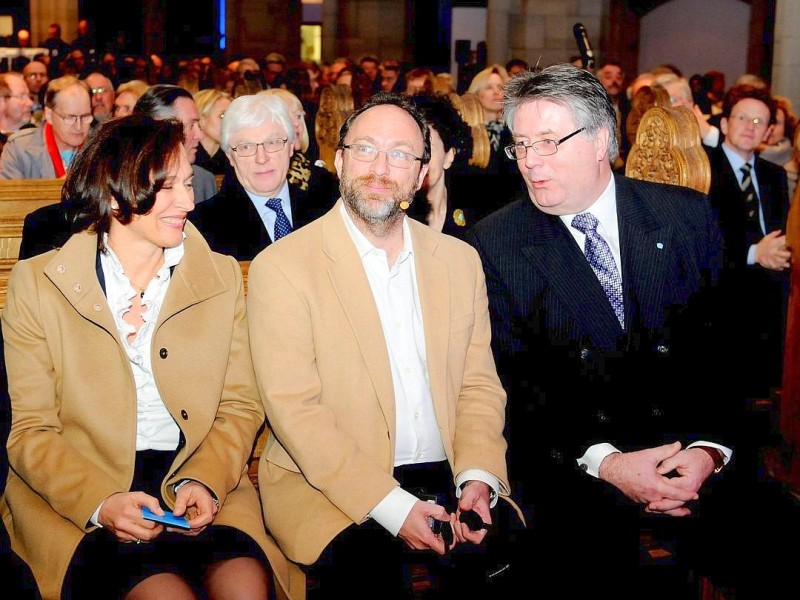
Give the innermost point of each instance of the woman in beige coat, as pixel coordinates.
(132, 386)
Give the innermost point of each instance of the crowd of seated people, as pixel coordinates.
(269, 128)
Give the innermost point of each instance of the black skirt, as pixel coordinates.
(106, 568)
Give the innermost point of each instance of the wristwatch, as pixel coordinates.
(715, 455)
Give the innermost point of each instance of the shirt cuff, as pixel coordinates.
(478, 475)
(751, 255)
(594, 455)
(727, 453)
(391, 512)
(711, 139)
(93, 519)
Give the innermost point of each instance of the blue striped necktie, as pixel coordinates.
(598, 253)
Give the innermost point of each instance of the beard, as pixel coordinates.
(374, 208)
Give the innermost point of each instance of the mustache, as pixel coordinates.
(372, 179)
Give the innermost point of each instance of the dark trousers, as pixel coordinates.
(365, 561)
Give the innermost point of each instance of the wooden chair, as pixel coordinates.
(18, 197)
(667, 146)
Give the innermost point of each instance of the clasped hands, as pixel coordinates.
(416, 531)
(772, 252)
(121, 513)
(664, 478)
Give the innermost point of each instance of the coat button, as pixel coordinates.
(556, 455)
(97, 307)
(602, 417)
(61, 269)
(656, 412)
(584, 353)
(184, 415)
(163, 353)
(78, 288)
(662, 349)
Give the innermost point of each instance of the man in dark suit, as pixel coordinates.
(601, 291)
(753, 223)
(259, 205)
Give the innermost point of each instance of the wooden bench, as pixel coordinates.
(18, 197)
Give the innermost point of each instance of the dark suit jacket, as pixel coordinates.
(752, 291)
(45, 228)
(573, 376)
(231, 224)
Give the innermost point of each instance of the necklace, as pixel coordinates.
(141, 290)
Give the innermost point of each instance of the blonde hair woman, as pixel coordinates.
(126, 96)
(211, 104)
(472, 112)
(487, 85)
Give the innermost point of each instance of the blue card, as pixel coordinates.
(168, 519)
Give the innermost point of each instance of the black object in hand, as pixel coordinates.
(473, 520)
(444, 529)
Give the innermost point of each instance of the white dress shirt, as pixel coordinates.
(417, 437)
(737, 162)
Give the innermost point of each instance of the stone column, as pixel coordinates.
(330, 29)
(497, 25)
(786, 52)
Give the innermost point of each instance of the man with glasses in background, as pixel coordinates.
(750, 196)
(35, 73)
(601, 292)
(46, 151)
(102, 97)
(15, 105)
(370, 338)
(256, 204)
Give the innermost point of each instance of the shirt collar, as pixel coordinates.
(604, 208)
(365, 247)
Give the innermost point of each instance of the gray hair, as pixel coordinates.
(575, 89)
(251, 111)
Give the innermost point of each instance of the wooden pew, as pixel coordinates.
(18, 197)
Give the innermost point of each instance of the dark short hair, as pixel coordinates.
(743, 91)
(126, 160)
(402, 102)
(158, 101)
(441, 115)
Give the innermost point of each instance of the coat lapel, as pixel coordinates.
(433, 282)
(553, 251)
(355, 295)
(644, 245)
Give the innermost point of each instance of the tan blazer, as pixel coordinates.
(324, 375)
(73, 433)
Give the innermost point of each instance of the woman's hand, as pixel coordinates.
(121, 515)
(196, 502)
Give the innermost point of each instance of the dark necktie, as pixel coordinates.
(602, 262)
(750, 200)
(282, 225)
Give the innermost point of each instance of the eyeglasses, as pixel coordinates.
(73, 119)
(747, 120)
(519, 150)
(36, 75)
(246, 149)
(98, 90)
(395, 158)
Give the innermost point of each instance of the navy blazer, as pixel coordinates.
(573, 376)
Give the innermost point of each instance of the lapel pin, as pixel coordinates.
(659, 245)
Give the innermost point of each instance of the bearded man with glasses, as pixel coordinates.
(46, 151)
(256, 204)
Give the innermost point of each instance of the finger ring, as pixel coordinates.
(138, 541)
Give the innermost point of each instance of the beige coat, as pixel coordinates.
(324, 375)
(73, 431)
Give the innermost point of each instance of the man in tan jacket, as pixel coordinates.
(370, 338)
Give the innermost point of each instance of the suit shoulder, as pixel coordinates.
(22, 134)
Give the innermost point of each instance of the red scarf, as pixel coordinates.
(52, 150)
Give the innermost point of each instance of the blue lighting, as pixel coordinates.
(222, 24)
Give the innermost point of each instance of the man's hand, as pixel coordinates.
(693, 466)
(417, 533)
(636, 475)
(474, 496)
(196, 502)
(772, 252)
(121, 515)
